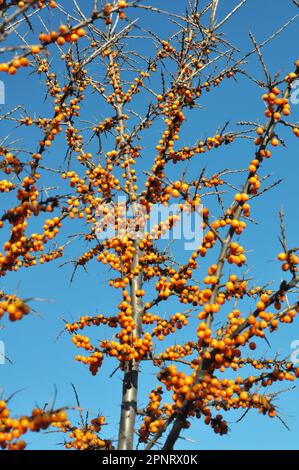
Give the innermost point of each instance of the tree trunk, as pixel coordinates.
(130, 381)
(128, 409)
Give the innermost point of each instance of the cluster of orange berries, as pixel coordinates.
(178, 382)
(175, 352)
(209, 182)
(88, 255)
(166, 287)
(123, 258)
(63, 111)
(259, 320)
(209, 240)
(153, 421)
(51, 129)
(121, 5)
(236, 254)
(40, 3)
(91, 321)
(117, 96)
(276, 107)
(254, 165)
(135, 87)
(99, 179)
(290, 262)
(242, 198)
(82, 342)
(235, 223)
(63, 35)
(227, 394)
(279, 371)
(12, 68)
(165, 226)
(19, 246)
(51, 227)
(106, 125)
(10, 163)
(172, 105)
(86, 438)
(12, 429)
(165, 328)
(73, 138)
(174, 120)
(235, 287)
(128, 348)
(13, 306)
(102, 179)
(178, 188)
(131, 348)
(43, 67)
(6, 186)
(289, 316)
(167, 50)
(94, 361)
(218, 424)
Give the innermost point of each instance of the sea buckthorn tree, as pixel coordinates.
(79, 174)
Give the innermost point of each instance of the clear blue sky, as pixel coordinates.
(42, 362)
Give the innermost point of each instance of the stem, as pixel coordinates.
(130, 380)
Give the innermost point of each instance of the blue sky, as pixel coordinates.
(42, 361)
